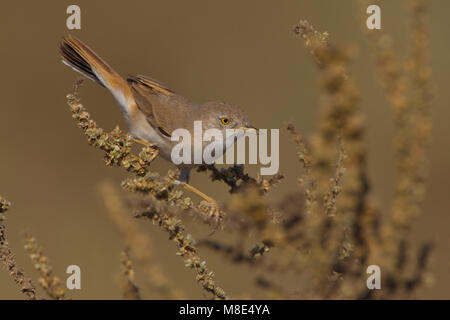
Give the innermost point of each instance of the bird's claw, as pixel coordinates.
(211, 208)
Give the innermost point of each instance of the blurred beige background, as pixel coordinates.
(237, 51)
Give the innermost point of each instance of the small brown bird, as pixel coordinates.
(153, 111)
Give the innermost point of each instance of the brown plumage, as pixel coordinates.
(152, 110)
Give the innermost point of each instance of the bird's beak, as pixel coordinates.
(249, 129)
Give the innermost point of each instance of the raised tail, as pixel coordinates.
(81, 58)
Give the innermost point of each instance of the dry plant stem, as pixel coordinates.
(331, 198)
(139, 244)
(186, 249)
(116, 145)
(412, 141)
(234, 254)
(408, 89)
(7, 258)
(130, 290)
(117, 148)
(51, 284)
(354, 231)
(340, 117)
(414, 135)
(330, 244)
(307, 182)
(238, 180)
(162, 191)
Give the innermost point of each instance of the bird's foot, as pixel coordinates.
(213, 213)
(209, 206)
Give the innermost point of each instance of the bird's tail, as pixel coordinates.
(82, 59)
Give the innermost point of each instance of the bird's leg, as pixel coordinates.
(185, 173)
(212, 207)
(142, 142)
(205, 197)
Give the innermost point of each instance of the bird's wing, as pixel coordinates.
(151, 83)
(161, 105)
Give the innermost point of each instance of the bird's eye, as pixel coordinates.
(225, 121)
